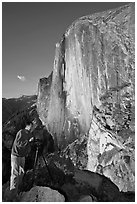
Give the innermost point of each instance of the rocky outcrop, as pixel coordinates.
(59, 176)
(92, 92)
(74, 186)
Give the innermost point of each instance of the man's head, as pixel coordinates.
(29, 125)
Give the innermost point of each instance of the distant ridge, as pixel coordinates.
(12, 105)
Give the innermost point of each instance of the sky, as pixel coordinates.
(30, 31)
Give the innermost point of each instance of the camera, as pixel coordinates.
(37, 142)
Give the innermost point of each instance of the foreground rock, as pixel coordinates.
(71, 184)
(101, 187)
(91, 92)
(42, 194)
(75, 184)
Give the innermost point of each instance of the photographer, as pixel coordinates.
(20, 149)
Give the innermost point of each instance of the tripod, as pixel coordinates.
(36, 160)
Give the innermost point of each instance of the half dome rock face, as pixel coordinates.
(92, 92)
(94, 60)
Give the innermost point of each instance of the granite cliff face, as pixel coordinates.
(91, 92)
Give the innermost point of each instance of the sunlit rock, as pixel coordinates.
(92, 92)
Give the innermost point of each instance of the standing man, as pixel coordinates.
(20, 149)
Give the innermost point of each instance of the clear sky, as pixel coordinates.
(29, 34)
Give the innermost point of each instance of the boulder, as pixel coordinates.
(42, 194)
(100, 188)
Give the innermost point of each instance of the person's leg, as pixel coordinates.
(21, 170)
(14, 179)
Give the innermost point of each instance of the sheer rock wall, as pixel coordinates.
(92, 92)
